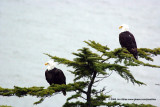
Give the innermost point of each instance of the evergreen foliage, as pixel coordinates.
(91, 65)
(5, 106)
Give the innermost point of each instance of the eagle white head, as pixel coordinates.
(51, 65)
(124, 28)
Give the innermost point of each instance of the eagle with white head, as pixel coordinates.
(54, 75)
(127, 40)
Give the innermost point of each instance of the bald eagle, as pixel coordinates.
(127, 40)
(54, 75)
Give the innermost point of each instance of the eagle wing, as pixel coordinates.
(48, 76)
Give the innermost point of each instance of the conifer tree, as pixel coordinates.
(91, 65)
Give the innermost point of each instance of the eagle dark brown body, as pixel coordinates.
(55, 76)
(127, 40)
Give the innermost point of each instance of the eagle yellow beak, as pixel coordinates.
(46, 63)
(120, 27)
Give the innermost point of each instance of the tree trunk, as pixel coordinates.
(90, 89)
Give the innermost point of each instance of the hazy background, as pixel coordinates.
(29, 28)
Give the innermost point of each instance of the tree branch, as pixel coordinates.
(81, 90)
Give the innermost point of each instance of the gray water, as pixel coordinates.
(29, 28)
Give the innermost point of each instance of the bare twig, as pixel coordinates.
(106, 76)
(83, 98)
(108, 91)
(102, 79)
